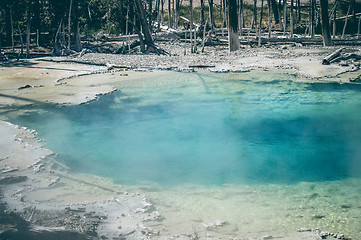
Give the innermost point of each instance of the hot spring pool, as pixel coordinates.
(207, 129)
(216, 130)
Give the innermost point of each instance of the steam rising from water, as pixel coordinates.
(210, 130)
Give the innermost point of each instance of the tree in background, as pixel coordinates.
(36, 25)
(233, 36)
(211, 15)
(326, 34)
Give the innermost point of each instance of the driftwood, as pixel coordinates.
(126, 48)
(327, 60)
(347, 57)
(348, 16)
(201, 66)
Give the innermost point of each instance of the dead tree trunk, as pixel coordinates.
(162, 12)
(353, 5)
(291, 20)
(220, 7)
(280, 14)
(173, 13)
(177, 8)
(169, 14)
(269, 18)
(56, 50)
(193, 50)
(204, 35)
(12, 30)
(28, 40)
(284, 16)
(143, 21)
(298, 10)
(202, 14)
(78, 45)
(241, 17)
(109, 14)
(21, 41)
(275, 10)
(155, 15)
(334, 25)
(158, 14)
(260, 26)
(312, 18)
(326, 35)
(37, 38)
(7, 23)
(211, 15)
(36, 19)
(225, 19)
(254, 18)
(332, 19)
(233, 36)
(150, 12)
(63, 33)
(344, 27)
(69, 23)
(28, 37)
(358, 28)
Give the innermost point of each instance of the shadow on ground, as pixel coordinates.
(14, 227)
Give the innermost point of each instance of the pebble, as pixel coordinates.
(340, 236)
(304, 230)
(323, 234)
(53, 181)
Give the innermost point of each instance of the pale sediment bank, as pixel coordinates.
(305, 62)
(54, 80)
(38, 189)
(43, 193)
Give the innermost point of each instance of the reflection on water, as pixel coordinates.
(210, 130)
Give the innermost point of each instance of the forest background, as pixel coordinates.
(61, 27)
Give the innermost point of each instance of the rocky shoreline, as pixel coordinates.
(306, 62)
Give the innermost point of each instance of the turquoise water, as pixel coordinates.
(209, 129)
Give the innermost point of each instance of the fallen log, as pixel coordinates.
(327, 60)
(201, 66)
(126, 48)
(350, 56)
(348, 16)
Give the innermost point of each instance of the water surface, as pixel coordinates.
(264, 150)
(210, 129)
